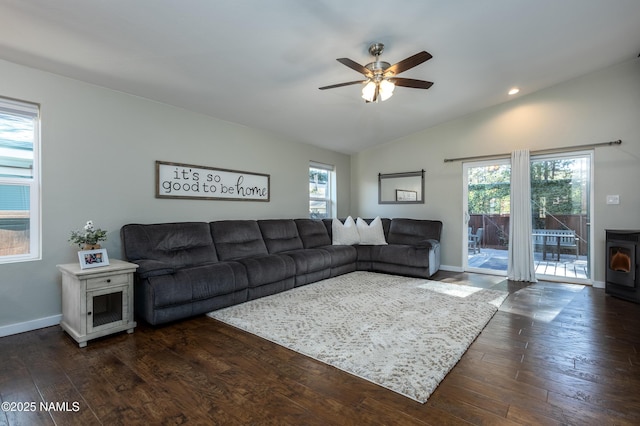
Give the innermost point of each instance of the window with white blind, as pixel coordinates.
(19, 181)
(321, 191)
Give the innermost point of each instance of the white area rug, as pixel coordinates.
(404, 334)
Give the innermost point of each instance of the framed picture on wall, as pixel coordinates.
(404, 195)
(411, 184)
(177, 180)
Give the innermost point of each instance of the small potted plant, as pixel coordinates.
(88, 238)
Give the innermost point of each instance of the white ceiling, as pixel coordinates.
(260, 63)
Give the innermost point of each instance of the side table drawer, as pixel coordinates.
(111, 280)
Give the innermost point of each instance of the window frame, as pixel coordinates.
(329, 197)
(32, 111)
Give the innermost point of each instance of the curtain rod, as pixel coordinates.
(544, 151)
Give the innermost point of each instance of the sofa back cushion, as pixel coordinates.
(313, 233)
(176, 244)
(412, 231)
(280, 235)
(236, 239)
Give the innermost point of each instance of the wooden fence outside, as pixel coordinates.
(496, 228)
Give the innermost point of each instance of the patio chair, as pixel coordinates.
(475, 240)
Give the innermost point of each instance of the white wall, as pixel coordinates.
(598, 107)
(99, 149)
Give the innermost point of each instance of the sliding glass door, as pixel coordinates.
(486, 203)
(561, 213)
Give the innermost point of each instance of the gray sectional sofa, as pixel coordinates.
(190, 268)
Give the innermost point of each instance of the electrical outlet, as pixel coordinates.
(613, 199)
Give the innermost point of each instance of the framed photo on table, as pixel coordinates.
(93, 258)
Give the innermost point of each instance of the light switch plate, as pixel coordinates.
(613, 199)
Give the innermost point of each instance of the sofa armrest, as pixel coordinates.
(426, 244)
(433, 248)
(434, 257)
(153, 268)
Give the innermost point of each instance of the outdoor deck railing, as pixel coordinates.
(496, 228)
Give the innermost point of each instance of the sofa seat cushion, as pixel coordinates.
(268, 269)
(402, 254)
(197, 283)
(310, 260)
(341, 255)
(368, 253)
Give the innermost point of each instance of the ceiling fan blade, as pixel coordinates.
(333, 86)
(408, 63)
(355, 66)
(410, 82)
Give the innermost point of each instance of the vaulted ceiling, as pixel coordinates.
(260, 63)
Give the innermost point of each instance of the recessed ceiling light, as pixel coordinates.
(514, 91)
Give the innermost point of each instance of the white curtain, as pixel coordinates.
(521, 266)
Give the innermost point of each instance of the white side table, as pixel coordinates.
(97, 302)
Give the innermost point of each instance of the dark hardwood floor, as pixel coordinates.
(554, 354)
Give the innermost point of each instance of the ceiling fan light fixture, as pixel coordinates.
(386, 89)
(377, 90)
(369, 91)
(381, 77)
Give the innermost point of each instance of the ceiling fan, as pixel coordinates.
(381, 76)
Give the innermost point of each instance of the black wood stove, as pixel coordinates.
(623, 255)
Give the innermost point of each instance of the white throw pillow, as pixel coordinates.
(371, 234)
(346, 234)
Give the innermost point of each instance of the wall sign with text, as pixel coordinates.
(175, 180)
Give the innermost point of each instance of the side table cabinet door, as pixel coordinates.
(107, 308)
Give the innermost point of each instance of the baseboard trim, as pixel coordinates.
(599, 284)
(22, 327)
(451, 268)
